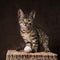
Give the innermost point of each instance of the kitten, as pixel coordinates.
(34, 37)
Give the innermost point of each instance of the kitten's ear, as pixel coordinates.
(20, 13)
(32, 14)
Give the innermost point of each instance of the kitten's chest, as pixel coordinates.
(26, 35)
(29, 36)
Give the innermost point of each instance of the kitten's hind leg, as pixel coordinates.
(46, 49)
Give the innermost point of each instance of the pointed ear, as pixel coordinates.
(20, 13)
(32, 14)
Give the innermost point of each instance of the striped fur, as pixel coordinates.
(33, 37)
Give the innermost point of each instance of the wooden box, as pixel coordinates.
(20, 55)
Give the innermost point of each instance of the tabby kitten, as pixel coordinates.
(34, 38)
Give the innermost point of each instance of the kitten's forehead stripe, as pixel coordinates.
(26, 16)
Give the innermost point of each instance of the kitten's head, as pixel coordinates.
(26, 20)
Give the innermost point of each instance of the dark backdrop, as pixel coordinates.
(47, 16)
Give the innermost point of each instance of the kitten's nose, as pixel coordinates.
(25, 24)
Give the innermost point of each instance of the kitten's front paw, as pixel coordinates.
(47, 50)
(27, 49)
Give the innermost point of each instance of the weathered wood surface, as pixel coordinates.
(20, 55)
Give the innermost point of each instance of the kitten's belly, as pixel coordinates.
(28, 37)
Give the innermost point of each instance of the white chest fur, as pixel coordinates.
(28, 36)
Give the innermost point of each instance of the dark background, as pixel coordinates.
(47, 16)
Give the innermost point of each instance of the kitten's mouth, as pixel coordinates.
(24, 28)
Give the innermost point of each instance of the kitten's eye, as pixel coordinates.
(30, 23)
(28, 20)
(18, 16)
